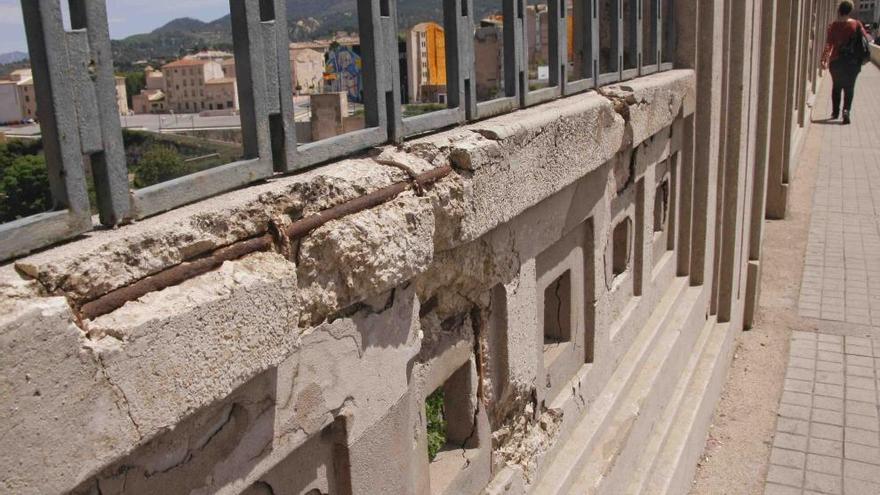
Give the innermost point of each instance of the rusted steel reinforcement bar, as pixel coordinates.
(178, 274)
(174, 276)
(302, 227)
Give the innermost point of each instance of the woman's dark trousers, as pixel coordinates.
(844, 75)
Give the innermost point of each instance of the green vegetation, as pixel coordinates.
(436, 416)
(159, 164)
(155, 158)
(24, 187)
(152, 159)
(421, 109)
(134, 82)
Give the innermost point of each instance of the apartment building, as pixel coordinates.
(221, 94)
(10, 102)
(185, 82)
(868, 11)
(489, 59)
(426, 63)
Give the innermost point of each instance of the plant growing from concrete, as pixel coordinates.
(436, 417)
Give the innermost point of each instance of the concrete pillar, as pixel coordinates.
(708, 65)
(762, 146)
(777, 188)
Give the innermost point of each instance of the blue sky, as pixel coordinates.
(126, 17)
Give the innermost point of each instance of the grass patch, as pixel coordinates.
(436, 416)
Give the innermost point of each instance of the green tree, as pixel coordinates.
(134, 83)
(24, 188)
(159, 164)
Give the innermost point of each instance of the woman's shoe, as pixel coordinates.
(835, 115)
(846, 119)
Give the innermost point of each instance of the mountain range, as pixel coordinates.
(12, 57)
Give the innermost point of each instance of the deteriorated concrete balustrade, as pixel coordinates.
(570, 275)
(306, 365)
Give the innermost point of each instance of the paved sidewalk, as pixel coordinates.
(841, 279)
(827, 437)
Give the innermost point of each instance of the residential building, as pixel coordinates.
(537, 36)
(121, 96)
(28, 98)
(307, 70)
(221, 94)
(155, 79)
(228, 66)
(426, 62)
(10, 102)
(149, 101)
(489, 59)
(868, 11)
(185, 81)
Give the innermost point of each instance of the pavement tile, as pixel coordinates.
(797, 398)
(831, 377)
(827, 417)
(830, 448)
(795, 426)
(826, 366)
(830, 403)
(789, 458)
(861, 395)
(863, 422)
(860, 436)
(785, 475)
(823, 483)
(774, 489)
(826, 431)
(791, 442)
(852, 370)
(800, 374)
(863, 453)
(824, 464)
(853, 486)
(861, 471)
(828, 390)
(863, 408)
(861, 382)
(796, 412)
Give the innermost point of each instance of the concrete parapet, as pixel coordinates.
(318, 352)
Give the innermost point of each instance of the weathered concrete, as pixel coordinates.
(563, 287)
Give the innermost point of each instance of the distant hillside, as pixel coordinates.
(12, 57)
(307, 20)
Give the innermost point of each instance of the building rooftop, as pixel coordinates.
(185, 62)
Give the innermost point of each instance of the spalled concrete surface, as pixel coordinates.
(324, 342)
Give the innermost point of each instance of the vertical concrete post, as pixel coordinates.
(777, 188)
(109, 168)
(759, 197)
(710, 15)
(55, 105)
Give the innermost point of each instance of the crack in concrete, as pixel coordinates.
(120, 392)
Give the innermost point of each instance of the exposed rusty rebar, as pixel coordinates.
(188, 269)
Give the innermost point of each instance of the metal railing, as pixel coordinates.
(613, 40)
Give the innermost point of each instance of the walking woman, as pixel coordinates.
(844, 66)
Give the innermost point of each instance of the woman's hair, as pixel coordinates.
(845, 7)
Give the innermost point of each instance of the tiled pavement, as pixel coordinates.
(827, 437)
(841, 279)
(828, 432)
